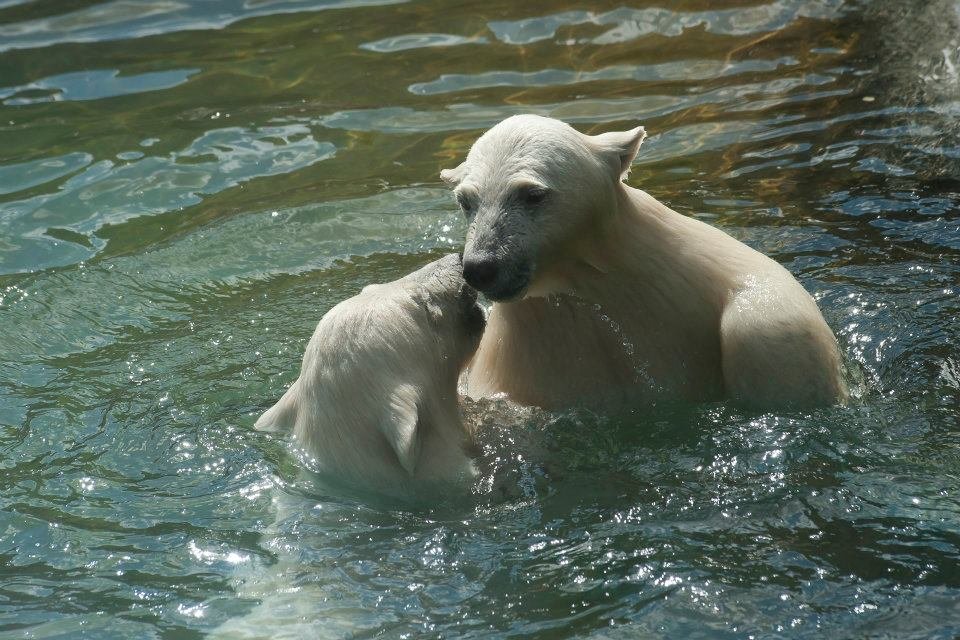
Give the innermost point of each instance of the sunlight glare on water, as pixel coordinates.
(185, 189)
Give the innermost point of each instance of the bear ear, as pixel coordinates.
(427, 301)
(401, 426)
(453, 176)
(620, 148)
(282, 415)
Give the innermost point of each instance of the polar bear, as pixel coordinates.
(376, 402)
(605, 297)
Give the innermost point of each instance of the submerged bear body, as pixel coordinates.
(376, 403)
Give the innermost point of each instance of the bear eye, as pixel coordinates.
(533, 195)
(466, 205)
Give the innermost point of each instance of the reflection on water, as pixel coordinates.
(418, 41)
(676, 71)
(625, 24)
(186, 187)
(91, 85)
(127, 19)
(109, 193)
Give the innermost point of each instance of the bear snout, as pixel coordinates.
(480, 272)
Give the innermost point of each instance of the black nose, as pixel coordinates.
(479, 273)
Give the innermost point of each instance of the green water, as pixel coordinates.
(185, 188)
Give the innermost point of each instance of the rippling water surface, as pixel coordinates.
(185, 188)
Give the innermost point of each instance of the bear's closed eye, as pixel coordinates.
(465, 203)
(532, 195)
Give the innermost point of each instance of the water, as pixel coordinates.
(185, 188)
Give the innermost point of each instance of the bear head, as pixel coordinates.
(529, 187)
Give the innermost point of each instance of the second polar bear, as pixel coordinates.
(606, 297)
(376, 402)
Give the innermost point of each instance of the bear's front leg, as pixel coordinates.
(776, 348)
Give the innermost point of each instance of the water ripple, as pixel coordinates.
(217, 160)
(125, 19)
(25, 175)
(92, 85)
(638, 108)
(630, 24)
(419, 41)
(687, 70)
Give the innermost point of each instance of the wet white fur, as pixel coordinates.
(376, 402)
(629, 301)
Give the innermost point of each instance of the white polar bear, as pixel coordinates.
(606, 297)
(376, 402)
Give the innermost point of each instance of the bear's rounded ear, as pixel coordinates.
(619, 148)
(434, 311)
(400, 426)
(453, 176)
